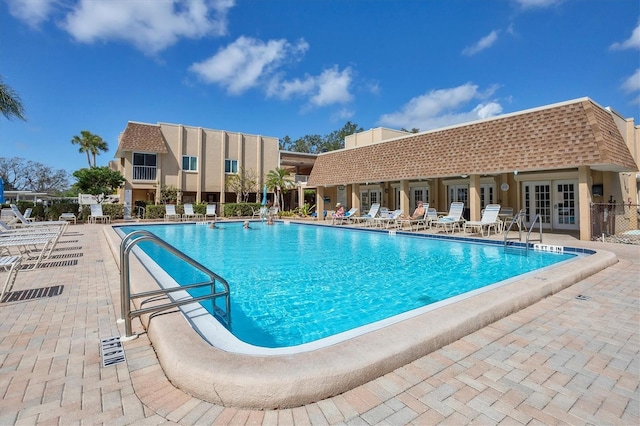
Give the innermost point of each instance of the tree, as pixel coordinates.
(317, 143)
(335, 139)
(242, 183)
(90, 144)
(10, 103)
(22, 175)
(413, 130)
(168, 194)
(279, 182)
(98, 181)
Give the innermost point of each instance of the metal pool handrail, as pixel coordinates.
(519, 219)
(136, 237)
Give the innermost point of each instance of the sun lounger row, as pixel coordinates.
(189, 213)
(449, 223)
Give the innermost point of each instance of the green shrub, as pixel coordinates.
(55, 210)
(245, 209)
(154, 211)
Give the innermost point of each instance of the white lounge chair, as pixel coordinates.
(97, 214)
(366, 218)
(35, 243)
(348, 216)
(170, 213)
(27, 214)
(11, 264)
(211, 212)
(453, 220)
(390, 220)
(189, 213)
(489, 220)
(414, 221)
(432, 216)
(22, 221)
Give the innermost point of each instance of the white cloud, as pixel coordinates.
(150, 27)
(332, 86)
(633, 42)
(440, 108)
(248, 62)
(482, 44)
(32, 12)
(632, 84)
(530, 4)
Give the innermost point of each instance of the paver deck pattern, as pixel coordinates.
(563, 360)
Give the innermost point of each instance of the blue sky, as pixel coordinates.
(299, 67)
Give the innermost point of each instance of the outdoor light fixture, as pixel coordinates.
(464, 176)
(515, 172)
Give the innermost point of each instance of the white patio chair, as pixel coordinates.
(453, 220)
(189, 213)
(97, 214)
(489, 220)
(211, 212)
(170, 213)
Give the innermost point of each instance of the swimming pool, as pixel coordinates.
(306, 285)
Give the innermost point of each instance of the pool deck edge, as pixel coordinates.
(263, 382)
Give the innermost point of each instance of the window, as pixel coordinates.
(189, 163)
(231, 166)
(144, 166)
(140, 159)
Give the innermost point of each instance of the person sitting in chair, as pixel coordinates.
(418, 213)
(339, 211)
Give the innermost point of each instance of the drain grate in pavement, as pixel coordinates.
(582, 297)
(111, 351)
(58, 248)
(66, 255)
(32, 293)
(57, 263)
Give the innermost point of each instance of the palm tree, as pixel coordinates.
(10, 104)
(90, 144)
(277, 180)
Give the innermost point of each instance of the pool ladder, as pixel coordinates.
(133, 239)
(518, 220)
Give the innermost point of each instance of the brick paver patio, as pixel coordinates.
(564, 360)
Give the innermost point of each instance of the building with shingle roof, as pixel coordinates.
(194, 160)
(546, 160)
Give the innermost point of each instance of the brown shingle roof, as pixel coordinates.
(563, 136)
(142, 137)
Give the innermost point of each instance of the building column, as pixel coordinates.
(180, 171)
(434, 194)
(584, 202)
(223, 157)
(404, 197)
(474, 197)
(632, 195)
(200, 166)
(320, 202)
(355, 197)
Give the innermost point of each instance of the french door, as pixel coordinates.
(369, 197)
(555, 201)
(565, 207)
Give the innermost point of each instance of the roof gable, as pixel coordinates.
(142, 137)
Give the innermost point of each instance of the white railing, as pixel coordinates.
(144, 173)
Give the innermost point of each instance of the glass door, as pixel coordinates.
(369, 197)
(536, 198)
(565, 207)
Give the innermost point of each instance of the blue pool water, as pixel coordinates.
(292, 284)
